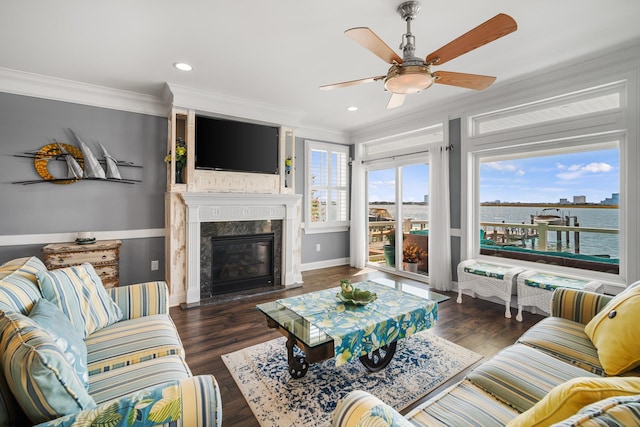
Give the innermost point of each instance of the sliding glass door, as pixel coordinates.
(398, 233)
(415, 218)
(382, 224)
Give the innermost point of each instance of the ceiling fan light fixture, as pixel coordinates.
(407, 80)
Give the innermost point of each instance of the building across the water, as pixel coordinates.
(579, 200)
(613, 200)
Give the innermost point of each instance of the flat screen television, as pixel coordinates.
(228, 145)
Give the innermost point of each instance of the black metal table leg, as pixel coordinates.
(298, 365)
(378, 359)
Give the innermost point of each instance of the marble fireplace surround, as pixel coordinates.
(225, 207)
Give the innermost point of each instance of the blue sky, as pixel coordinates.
(415, 177)
(594, 174)
(547, 179)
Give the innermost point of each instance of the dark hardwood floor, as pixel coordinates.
(210, 331)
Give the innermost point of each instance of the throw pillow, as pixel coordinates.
(66, 337)
(40, 378)
(621, 411)
(568, 398)
(79, 293)
(18, 285)
(615, 334)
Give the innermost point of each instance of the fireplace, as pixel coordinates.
(233, 256)
(224, 214)
(241, 262)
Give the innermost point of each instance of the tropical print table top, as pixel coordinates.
(358, 330)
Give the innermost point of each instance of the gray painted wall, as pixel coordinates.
(28, 123)
(332, 245)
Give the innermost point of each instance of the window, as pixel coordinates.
(549, 184)
(411, 183)
(397, 174)
(582, 103)
(327, 186)
(553, 208)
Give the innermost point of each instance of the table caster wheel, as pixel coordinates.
(378, 359)
(298, 367)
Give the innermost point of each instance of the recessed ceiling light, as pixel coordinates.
(183, 66)
(352, 108)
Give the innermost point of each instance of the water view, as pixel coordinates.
(590, 243)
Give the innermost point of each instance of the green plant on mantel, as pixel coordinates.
(181, 154)
(181, 159)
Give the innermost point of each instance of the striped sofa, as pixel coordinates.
(136, 374)
(552, 375)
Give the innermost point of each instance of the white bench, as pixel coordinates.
(536, 289)
(486, 279)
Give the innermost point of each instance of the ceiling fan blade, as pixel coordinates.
(396, 100)
(352, 83)
(496, 27)
(469, 81)
(368, 39)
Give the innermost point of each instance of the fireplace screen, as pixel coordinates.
(241, 262)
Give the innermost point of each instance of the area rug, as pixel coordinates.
(421, 363)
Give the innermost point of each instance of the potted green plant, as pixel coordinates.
(390, 248)
(411, 255)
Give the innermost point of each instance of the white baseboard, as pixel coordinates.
(324, 264)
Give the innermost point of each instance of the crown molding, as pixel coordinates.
(338, 137)
(229, 106)
(239, 108)
(40, 86)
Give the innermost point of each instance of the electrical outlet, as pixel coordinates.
(318, 247)
(154, 265)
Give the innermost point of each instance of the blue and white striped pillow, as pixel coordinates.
(39, 375)
(18, 285)
(79, 293)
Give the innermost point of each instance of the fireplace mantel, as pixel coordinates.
(213, 207)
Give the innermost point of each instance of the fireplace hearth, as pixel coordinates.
(241, 262)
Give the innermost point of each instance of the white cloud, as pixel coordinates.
(520, 172)
(598, 167)
(500, 166)
(577, 171)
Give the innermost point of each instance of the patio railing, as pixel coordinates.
(507, 234)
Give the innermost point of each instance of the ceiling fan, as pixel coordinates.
(411, 74)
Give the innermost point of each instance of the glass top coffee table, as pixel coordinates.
(322, 326)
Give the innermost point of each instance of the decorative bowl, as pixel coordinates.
(85, 241)
(350, 299)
